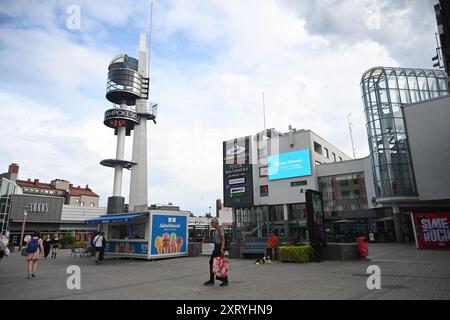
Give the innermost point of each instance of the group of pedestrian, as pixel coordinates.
(51, 243)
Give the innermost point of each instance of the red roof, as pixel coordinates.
(74, 191)
(82, 192)
(37, 184)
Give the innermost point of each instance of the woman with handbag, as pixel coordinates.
(219, 251)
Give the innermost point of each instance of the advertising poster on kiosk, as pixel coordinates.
(168, 235)
(431, 230)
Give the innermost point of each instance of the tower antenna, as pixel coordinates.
(150, 40)
(264, 111)
(351, 133)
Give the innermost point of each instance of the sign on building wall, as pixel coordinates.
(237, 173)
(431, 230)
(39, 208)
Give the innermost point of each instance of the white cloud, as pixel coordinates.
(310, 81)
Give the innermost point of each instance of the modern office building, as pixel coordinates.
(405, 107)
(265, 179)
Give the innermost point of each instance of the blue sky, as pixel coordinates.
(211, 61)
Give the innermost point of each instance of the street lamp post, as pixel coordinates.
(23, 229)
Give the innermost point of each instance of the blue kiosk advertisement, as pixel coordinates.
(168, 235)
(153, 234)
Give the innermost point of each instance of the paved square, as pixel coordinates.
(407, 273)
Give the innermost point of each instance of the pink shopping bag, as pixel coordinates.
(221, 266)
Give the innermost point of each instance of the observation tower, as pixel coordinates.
(128, 90)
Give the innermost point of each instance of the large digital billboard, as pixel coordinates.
(289, 165)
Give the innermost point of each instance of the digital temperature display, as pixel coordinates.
(118, 123)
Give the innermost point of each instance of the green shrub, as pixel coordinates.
(67, 240)
(292, 253)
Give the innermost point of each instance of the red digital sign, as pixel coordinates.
(432, 230)
(118, 123)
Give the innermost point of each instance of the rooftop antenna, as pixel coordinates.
(264, 111)
(350, 124)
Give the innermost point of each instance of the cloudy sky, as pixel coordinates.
(211, 61)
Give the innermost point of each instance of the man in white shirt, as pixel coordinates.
(98, 245)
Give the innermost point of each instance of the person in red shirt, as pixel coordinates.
(272, 244)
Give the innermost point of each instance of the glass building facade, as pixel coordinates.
(343, 193)
(384, 91)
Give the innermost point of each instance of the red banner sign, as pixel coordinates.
(432, 230)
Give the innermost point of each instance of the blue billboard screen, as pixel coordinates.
(289, 165)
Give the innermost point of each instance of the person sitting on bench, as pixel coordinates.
(272, 244)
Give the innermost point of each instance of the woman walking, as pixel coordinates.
(33, 252)
(55, 246)
(47, 245)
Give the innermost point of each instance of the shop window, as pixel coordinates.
(134, 231)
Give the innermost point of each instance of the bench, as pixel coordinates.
(255, 250)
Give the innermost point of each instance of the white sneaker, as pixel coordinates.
(269, 261)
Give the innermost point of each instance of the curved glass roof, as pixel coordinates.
(124, 61)
(397, 71)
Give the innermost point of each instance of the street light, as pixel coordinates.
(25, 211)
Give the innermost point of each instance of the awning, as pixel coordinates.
(116, 218)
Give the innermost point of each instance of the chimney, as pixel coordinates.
(28, 180)
(13, 168)
(36, 181)
(70, 185)
(87, 186)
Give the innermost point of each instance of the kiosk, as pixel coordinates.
(152, 234)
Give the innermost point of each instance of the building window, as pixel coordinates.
(92, 205)
(263, 191)
(317, 148)
(327, 153)
(46, 191)
(262, 153)
(263, 172)
(334, 157)
(299, 183)
(52, 192)
(82, 204)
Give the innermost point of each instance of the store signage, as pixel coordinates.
(431, 230)
(116, 118)
(237, 173)
(237, 181)
(38, 208)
